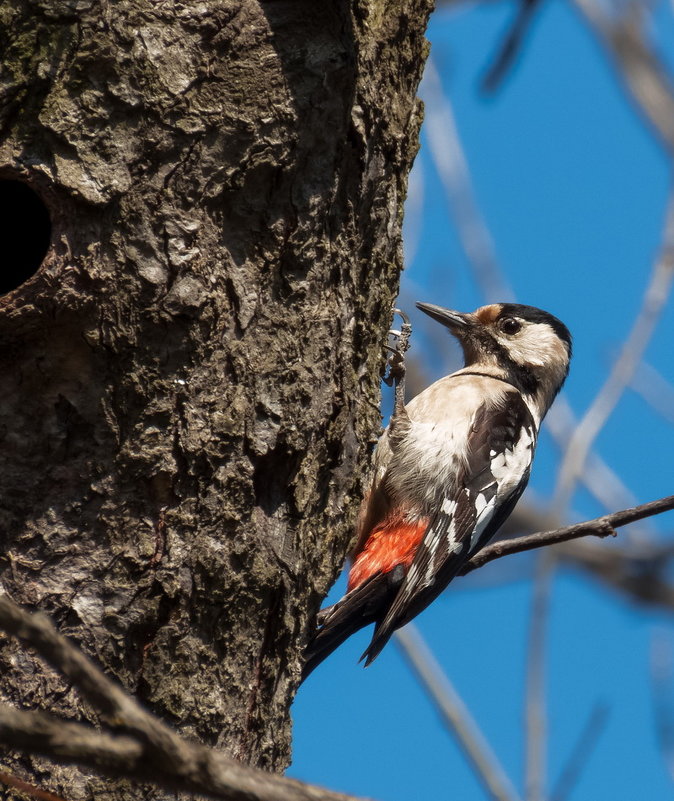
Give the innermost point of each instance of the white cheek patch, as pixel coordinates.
(536, 345)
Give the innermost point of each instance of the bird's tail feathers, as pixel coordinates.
(379, 639)
(358, 608)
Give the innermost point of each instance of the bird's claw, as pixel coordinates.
(395, 364)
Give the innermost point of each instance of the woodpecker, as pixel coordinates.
(448, 470)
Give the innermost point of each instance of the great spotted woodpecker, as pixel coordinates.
(448, 470)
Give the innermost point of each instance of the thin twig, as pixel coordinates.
(600, 480)
(661, 682)
(607, 398)
(511, 46)
(28, 789)
(642, 579)
(639, 568)
(535, 763)
(598, 527)
(655, 390)
(447, 153)
(581, 753)
(640, 69)
(145, 749)
(455, 714)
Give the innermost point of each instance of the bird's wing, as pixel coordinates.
(500, 449)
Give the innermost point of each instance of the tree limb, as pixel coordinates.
(455, 714)
(191, 768)
(638, 65)
(581, 753)
(652, 305)
(603, 526)
(535, 711)
(145, 749)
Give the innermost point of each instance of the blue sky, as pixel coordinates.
(573, 187)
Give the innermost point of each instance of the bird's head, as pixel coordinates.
(522, 344)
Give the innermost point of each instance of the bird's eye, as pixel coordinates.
(509, 325)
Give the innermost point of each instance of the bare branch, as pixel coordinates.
(447, 153)
(598, 527)
(511, 45)
(40, 733)
(454, 713)
(198, 769)
(641, 577)
(639, 569)
(661, 681)
(581, 753)
(535, 712)
(588, 429)
(28, 789)
(37, 631)
(145, 748)
(655, 390)
(636, 62)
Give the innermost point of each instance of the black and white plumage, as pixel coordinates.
(449, 470)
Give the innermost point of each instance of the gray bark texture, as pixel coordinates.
(190, 382)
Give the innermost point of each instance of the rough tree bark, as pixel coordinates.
(191, 379)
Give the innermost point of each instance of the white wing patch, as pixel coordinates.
(508, 469)
(448, 506)
(481, 502)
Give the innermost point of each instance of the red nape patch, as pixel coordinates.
(392, 542)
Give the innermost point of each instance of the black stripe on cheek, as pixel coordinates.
(522, 377)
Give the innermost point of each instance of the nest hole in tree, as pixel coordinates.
(25, 233)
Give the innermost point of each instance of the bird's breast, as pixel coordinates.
(424, 468)
(433, 450)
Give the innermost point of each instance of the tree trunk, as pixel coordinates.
(191, 377)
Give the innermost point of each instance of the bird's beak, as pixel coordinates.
(455, 321)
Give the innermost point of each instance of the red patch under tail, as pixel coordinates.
(392, 542)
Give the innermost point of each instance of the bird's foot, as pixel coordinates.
(395, 364)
